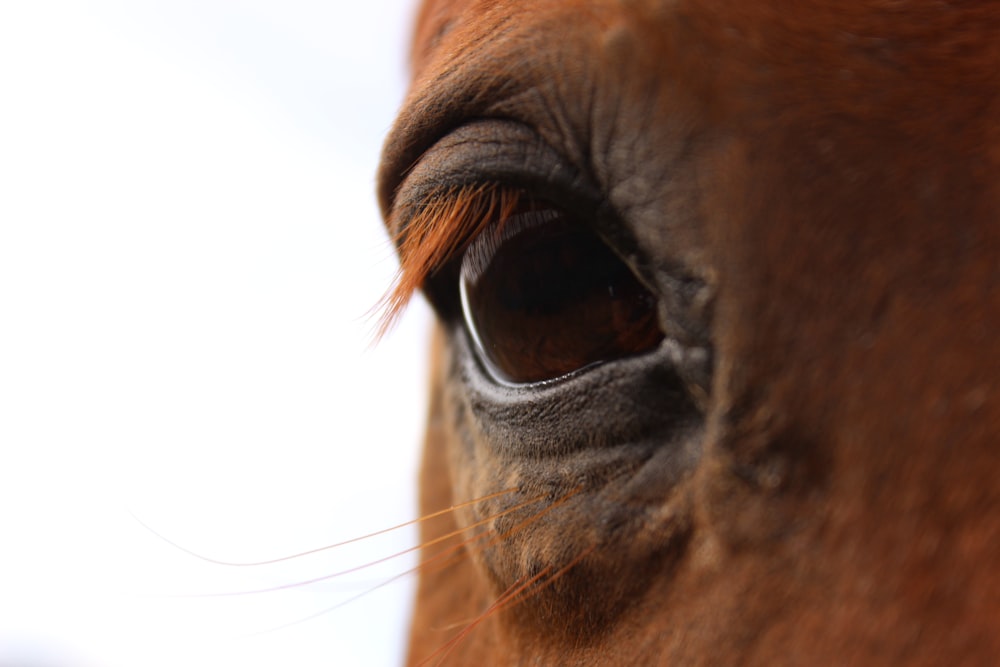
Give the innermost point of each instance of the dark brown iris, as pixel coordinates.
(544, 296)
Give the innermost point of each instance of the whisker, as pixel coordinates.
(450, 551)
(509, 598)
(358, 568)
(501, 536)
(527, 522)
(511, 595)
(342, 603)
(513, 589)
(353, 540)
(520, 525)
(444, 650)
(555, 577)
(449, 555)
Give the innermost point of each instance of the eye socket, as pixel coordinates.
(543, 296)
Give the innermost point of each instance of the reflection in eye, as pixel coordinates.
(544, 296)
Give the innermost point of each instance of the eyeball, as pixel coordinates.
(544, 296)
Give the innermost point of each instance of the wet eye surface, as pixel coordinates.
(543, 296)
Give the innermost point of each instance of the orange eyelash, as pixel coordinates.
(443, 226)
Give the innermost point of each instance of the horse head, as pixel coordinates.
(717, 288)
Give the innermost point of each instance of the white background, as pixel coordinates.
(188, 246)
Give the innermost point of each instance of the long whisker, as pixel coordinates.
(555, 577)
(411, 522)
(530, 520)
(373, 563)
(520, 525)
(447, 556)
(442, 652)
(510, 597)
(511, 591)
(496, 538)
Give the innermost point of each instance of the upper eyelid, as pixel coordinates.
(477, 151)
(482, 151)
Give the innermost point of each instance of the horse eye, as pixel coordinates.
(544, 296)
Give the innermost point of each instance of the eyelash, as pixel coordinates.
(433, 234)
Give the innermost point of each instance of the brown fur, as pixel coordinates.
(827, 174)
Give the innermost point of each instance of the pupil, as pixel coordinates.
(543, 297)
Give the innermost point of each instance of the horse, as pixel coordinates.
(715, 362)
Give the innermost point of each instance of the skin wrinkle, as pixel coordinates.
(811, 190)
(518, 156)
